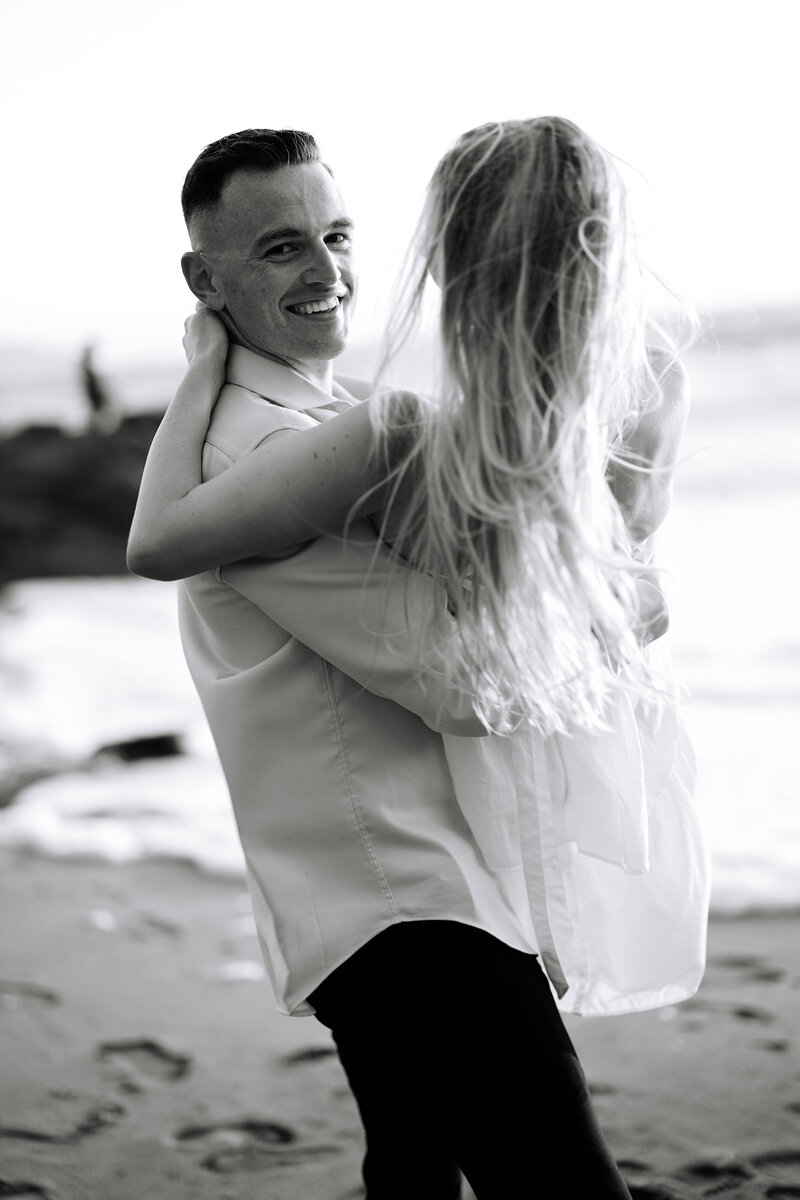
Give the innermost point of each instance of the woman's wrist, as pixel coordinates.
(207, 368)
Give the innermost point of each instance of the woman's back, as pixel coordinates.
(503, 484)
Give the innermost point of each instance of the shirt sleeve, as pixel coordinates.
(354, 604)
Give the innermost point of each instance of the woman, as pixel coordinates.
(523, 491)
(540, 306)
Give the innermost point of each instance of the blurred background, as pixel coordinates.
(103, 748)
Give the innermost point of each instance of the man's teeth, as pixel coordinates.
(317, 306)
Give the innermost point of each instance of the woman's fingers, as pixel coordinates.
(204, 332)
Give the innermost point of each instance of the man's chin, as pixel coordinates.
(324, 347)
(318, 347)
(338, 346)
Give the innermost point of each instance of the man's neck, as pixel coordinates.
(320, 373)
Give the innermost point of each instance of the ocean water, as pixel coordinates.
(87, 664)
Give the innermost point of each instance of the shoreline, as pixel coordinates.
(143, 1054)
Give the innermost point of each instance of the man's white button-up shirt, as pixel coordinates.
(330, 742)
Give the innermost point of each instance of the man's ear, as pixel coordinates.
(199, 275)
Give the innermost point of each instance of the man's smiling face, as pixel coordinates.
(279, 247)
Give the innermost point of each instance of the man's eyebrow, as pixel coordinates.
(277, 235)
(287, 234)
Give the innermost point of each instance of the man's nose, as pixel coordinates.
(322, 267)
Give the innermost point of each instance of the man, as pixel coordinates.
(319, 768)
(330, 742)
(374, 905)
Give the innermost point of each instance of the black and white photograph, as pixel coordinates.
(399, 649)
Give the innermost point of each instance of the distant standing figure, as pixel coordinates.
(104, 417)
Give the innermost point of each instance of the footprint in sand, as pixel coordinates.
(751, 967)
(783, 1166)
(640, 1187)
(652, 1191)
(95, 1120)
(309, 1054)
(13, 994)
(601, 1089)
(720, 1176)
(142, 1061)
(740, 1012)
(146, 926)
(23, 1191)
(632, 1166)
(232, 1147)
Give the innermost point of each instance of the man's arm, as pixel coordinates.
(354, 604)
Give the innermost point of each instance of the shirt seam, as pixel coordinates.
(235, 454)
(358, 815)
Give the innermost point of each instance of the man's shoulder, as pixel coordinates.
(243, 419)
(359, 389)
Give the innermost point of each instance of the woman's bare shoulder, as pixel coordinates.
(402, 416)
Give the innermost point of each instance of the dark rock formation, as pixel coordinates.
(66, 502)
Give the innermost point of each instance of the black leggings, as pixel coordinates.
(458, 1059)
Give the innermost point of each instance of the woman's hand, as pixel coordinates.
(206, 339)
(205, 342)
(174, 464)
(653, 611)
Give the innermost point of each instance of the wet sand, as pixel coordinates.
(142, 1055)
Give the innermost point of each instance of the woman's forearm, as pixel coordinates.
(173, 467)
(294, 487)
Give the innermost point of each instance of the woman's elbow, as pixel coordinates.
(145, 558)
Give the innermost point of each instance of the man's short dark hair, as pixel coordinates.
(248, 150)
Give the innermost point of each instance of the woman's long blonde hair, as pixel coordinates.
(544, 364)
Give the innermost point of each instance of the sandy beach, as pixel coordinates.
(142, 1055)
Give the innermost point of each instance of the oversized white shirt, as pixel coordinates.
(615, 865)
(330, 741)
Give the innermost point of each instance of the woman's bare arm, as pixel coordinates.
(174, 461)
(294, 487)
(299, 486)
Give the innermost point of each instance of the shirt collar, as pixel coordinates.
(274, 381)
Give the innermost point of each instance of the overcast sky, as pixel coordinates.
(105, 105)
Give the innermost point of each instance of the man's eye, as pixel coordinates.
(341, 241)
(284, 250)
